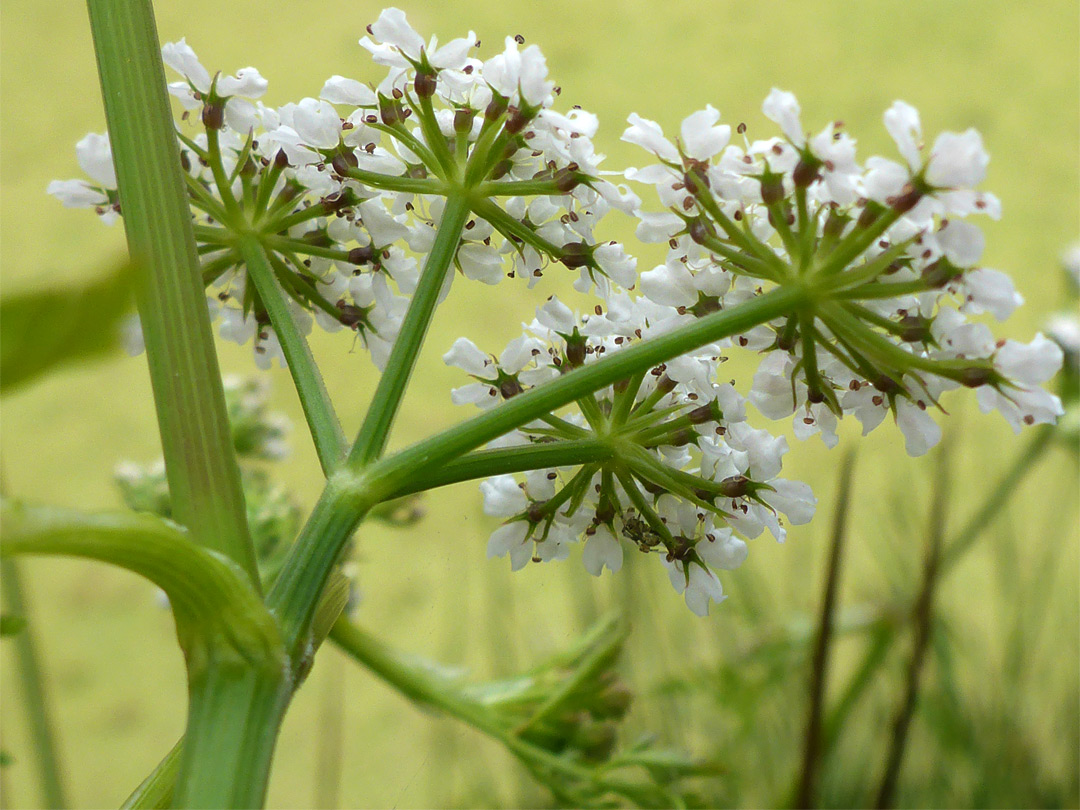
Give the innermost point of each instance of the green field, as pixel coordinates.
(999, 723)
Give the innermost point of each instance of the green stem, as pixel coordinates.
(204, 480)
(32, 682)
(624, 400)
(384, 406)
(513, 229)
(856, 242)
(282, 223)
(519, 188)
(217, 169)
(411, 185)
(429, 125)
(741, 262)
(503, 460)
(318, 409)
(882, 289)
(233, 716)
(204, 199)
(744, 239)
(400, 133)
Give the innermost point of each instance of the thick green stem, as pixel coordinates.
(234, 712)
(204, 480)
(32, 683)
(318, 409)
(384, 406)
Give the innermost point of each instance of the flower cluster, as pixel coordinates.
(673, 466)
(347, 190)
(885, 250)
(354, 205)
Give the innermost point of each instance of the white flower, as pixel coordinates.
(783, 108)
(602, 550)
(512, 72)
(340, 90)
(511, 539)
(957, 160)
(902, 122)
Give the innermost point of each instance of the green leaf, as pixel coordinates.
(48, 328)
(217, 611)
(10, 625)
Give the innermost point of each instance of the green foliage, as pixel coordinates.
(44, 329)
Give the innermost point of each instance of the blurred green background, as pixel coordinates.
(998, 723)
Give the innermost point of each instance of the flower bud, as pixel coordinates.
(495, 108)
(343, 161)
(575, 350)
(509, 387)
(735, 487)
(463, 120)
(390, 111)
(807, 170)
(362, 255)
(698, 231)
(939, 273)
(908, 199)
(772, 189)
(425, 84)
(213, 115)
(567, 179)
(914, 329)
(976, 376)
(575, 255)
(517, 119)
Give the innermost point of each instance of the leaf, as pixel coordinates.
(10, 625)
(217, 611)
(43, 329)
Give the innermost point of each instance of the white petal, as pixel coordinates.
(340, 90)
